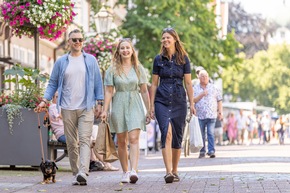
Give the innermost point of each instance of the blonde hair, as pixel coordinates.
(180, 51)
(117, 59)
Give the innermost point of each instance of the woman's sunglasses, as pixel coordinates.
(77, 39)
(125, 39)
(168, 29)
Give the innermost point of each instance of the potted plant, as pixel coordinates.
(19, 135)
(48, 17)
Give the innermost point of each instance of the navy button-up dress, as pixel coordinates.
(170, 99)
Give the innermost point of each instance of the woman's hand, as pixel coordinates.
(148, 118)
(192, 110)
(152, 113)
(104, 115)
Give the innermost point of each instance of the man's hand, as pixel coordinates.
(98, 111)
(41, 107)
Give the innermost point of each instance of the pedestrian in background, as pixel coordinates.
(266, 126)
(241, 124)
(77, 78)
(168, 98)
(208, 104)
(231, 128)
(127, 76)
(281, 129)
(218, 132)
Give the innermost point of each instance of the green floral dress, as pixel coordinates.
(127, 111)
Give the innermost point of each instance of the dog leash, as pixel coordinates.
(40, 136)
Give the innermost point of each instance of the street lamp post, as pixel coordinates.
(36, 53)
(103, 21)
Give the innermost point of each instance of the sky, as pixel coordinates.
(278, 10)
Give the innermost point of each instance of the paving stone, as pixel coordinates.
(236, 169)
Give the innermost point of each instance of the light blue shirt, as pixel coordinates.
(93, 82)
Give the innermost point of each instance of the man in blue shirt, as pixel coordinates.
(77, 78)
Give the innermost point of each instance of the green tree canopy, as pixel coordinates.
(265, 78)
(192, 19)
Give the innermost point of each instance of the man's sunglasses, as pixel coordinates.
(77, 39)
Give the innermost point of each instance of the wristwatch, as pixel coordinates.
(100, 103)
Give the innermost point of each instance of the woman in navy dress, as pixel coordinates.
(168, 98)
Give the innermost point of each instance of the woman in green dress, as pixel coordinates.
(125, 80)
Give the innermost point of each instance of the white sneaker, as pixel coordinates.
(133, 176)
(125, 177)
(74, 181)
(82, 179)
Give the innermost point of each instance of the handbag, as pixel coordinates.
(105, 144)
(111, 154)
(196, 142)
(100, 146)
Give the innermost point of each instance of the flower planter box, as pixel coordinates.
(23, 147)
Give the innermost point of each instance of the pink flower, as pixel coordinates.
(39, 2)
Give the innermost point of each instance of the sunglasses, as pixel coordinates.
(125, 39)
(168, 29)
(77, 39)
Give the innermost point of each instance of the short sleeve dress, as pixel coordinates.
(127, 111)
(170, 99)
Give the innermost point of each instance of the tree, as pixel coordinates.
(251, 30)
(192, 19)
(265, 78)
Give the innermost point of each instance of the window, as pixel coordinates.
(15, 52)
(30, 58)
(1, 49)
(23, 55)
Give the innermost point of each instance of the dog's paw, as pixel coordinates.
(53, 180)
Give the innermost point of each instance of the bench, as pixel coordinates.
(53, 146)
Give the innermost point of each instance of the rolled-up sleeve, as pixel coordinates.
(98, 83)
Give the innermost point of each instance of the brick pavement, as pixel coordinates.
(236, 169)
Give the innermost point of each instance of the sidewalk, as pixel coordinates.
(236, 169)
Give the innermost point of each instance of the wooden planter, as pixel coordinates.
(23, 146)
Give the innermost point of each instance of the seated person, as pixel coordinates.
(56, 120)
(97, 163)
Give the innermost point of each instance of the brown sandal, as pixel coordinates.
(169, 178)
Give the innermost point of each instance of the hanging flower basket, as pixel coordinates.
(102, 48)
(49, 17)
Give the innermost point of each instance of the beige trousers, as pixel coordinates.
(78, 126)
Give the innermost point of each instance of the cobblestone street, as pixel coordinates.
(236, 169)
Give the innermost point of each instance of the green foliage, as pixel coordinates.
(195, 23)
(12, 111)
(26, 94)
(265, 78)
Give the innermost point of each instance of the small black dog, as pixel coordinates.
(48, 169)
